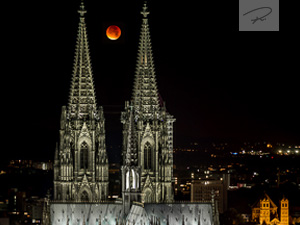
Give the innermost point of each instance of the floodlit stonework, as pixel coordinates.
(149, 127)
(148, 214)
(265, 211)
(81, 163)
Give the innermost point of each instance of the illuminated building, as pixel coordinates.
(81, 165)
(150, 129)
(265, 211)
(201, 191)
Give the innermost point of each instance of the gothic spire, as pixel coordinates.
(82, 94)
(145, 92)
(131, 151)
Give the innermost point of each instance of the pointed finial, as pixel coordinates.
(131, 107)
(145, 11)
(82, 10)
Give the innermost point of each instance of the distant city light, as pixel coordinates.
(269, 146)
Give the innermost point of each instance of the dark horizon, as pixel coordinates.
(218, 84)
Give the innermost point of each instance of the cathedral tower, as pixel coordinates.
(131, 171)
(147, 121)
(264, 217)
(284, 211)
(81, 163)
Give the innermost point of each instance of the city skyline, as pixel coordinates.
(252, 102)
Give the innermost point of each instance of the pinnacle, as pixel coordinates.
(82, 94)
(145, 11)
(131, 141)
(82, 10)
(145, 93)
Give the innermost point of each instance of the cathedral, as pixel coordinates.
(81, 164)
(264, 211)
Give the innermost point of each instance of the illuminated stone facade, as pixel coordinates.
(148, 214)
(264, 211)
(81, 163)
(147, 121)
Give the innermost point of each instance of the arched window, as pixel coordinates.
(84, 197)
(84, 156)
(127, 180)
(148, 198)
(147, 156)
(133, 179)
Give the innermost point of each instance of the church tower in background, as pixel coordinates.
(284, 211)
(81, 163)
(147, 131)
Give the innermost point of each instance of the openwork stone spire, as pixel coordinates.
(145, 92)
(131, 154)
(147, 130)
(82, 94)
(81, 162)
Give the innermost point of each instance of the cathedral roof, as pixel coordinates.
(82, 94)
(139, 214)
(180, 213)
(92, 214)
(145, 95)
(265, 197)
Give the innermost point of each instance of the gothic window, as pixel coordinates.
(84, 156)
(127, 180)
(84, 197)
(133, 179)
(147, 156)
(148, 196)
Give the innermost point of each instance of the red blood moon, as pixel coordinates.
(113, 32)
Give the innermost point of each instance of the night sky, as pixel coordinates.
(217, 82)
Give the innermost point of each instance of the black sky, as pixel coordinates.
(217, 82)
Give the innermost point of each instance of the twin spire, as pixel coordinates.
(145, 96)
(82, 98)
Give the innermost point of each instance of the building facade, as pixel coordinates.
(148, 124)
(201, 191)
(81, 163)
(265, 211)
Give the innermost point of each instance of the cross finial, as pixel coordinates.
(145, 11)
(82, 10)
(131, 108)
